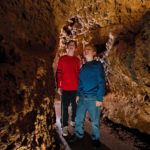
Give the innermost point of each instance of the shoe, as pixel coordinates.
(72, 123)
(95, 144)
(74, 139)
(65, 131)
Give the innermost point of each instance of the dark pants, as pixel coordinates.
(67, 98)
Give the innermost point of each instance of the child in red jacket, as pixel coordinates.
(67, 76)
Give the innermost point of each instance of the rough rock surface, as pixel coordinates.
(27, 114)
(31, 32)
(27, 43)
(92, 20)
(128, 78)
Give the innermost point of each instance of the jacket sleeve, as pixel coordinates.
(101, 83)
(59, 73)
(78, 68)
(79, 85)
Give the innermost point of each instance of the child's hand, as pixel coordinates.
(59, 91)
(77, 99)
(98, 103)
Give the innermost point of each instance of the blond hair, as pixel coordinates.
(92, 46)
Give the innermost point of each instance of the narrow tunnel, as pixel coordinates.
(71, 31)
(33, 35)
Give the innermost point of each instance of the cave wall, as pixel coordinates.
(129, 78)
(27, 43)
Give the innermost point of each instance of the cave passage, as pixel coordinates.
(33, 35)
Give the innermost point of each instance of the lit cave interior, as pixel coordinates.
(33, 35)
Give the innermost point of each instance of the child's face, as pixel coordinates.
(71, 46)
(88, 51)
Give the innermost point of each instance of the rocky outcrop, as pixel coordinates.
(92, 21)
(27, 101)
(128, 78)
(27, 43)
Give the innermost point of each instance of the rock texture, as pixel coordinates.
(92, 20)
(128, 78)
(27, 43)
(27, 96)
(33, 32)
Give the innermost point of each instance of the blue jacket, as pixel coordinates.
(92, 80)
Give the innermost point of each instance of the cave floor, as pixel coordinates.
(109, 139)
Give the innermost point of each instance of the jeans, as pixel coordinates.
(87, 103)
(68, 97)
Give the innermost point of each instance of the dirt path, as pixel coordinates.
(109, 139)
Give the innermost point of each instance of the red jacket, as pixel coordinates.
(67, 74)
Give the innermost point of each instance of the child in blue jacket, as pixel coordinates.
(89, 96)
